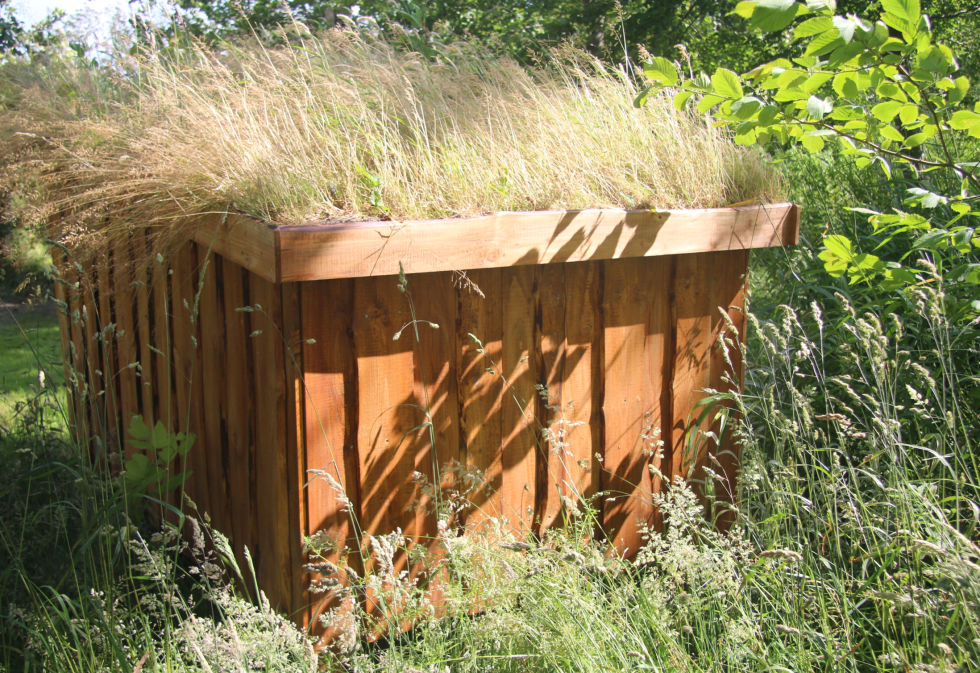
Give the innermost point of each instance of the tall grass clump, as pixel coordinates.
(346, 126)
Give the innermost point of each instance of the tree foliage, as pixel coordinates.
(880, 92)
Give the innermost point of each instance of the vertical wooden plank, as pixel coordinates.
(162, 346)
(238, 395)
(435, 389)
(553, 455)
(211, 358)
(275, 563)
(518, 431)
(92, 350)
(480, 388)
(387, 423)
(692, 357)
(188, 383)
(330, 465)
(294, 431)
(727, 297)
(127, 349)
(107, 338)
(583, 381)
(144, 320)
(636, 312)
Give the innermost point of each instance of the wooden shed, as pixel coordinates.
(291, 353)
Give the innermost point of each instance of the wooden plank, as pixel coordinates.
(692, 357)
(245, 241)
(273, 545)
(330, 466)
(435, 391)
(343, 250)
(295, 400)
(553, 455)
(387, 423)
(211, 357)
(107, 339)
(127, 341)
(144, 328)
(635, 343)
(239, 412)
(583, 381)
(480, 387)
(518, 429)
(727, 294)
(188, 378)
(162, 347)
(89, 326)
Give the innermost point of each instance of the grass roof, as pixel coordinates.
(345, 126)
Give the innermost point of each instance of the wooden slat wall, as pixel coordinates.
(306, 388)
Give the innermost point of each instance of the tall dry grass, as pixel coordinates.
(345, 126)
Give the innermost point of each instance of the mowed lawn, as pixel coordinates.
(29, 344)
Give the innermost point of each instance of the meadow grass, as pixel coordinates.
(31, 344)
(346, 126)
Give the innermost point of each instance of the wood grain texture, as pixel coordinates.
(110, 367)
(273, 557)
(188, 384)
(636, 344)
(144, 330)
(243, 240)
(240, 406)
(583, 382)
(90, 326)
(480, 388)
(294, 431)
(552, 457)
(62, 293)
(330, 468)
(519, 435)
(211, 353)
(126, 335)
(344, 250)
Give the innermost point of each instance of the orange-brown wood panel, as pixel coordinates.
(552, 455)
(162, 347)
(331, 492)
(295, 400)
(273, 558)
(188, 383)
(62, 291)
(240, 408)
(436, 445)
(635, 343)
(692, 358)
(582, 381)
(388, 420)
(727, 298)
(480, 388)
(211, 356)
(519, 432)
(126, 336)
(90, 326)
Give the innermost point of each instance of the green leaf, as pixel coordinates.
(681, 98)
(708, 101)
(930, 240)
(925, 198)
(839, 245)
(908, 113)
(744, 9)
(812, 144)
(661, 70)
(817, 108)
(746, 107)
(138, 429)
(965, 120)
(961, 86)
(904, 14)
(885, 112)
(814, 26)
(773, 15)
(725, 83)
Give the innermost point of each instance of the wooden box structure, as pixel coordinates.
(276, 347)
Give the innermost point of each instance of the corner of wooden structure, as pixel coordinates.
(244, 240)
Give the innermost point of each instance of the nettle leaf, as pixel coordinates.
(661, 70)
(931, 240)
(725, 83)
